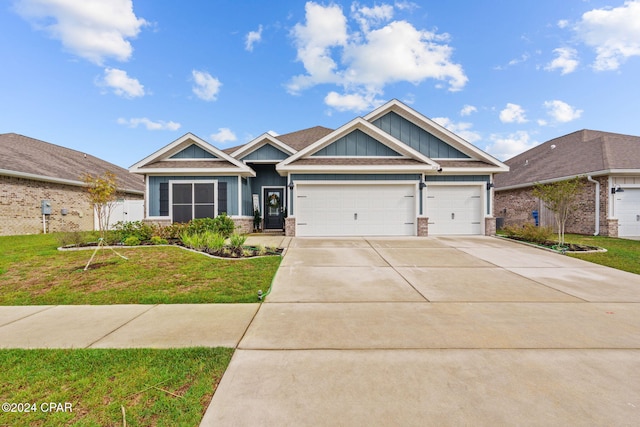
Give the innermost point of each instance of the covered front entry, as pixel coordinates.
(627, 209)
(273, 208)
(371, 209)
(454, 209)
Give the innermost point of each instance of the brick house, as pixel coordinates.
(33, 172)
(609, 163)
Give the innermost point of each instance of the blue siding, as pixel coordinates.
(356, 143)
(154, 191)
(417, 138)
(266, 176)
(355, 177)
(266, 152)
(247, 201)
(193, 152)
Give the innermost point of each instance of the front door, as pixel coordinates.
(273, 208)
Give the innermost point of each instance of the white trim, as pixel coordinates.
(604, 172)
(383, 169)
(258, 143)
(196, 172)
(239, 195)
(367, 128)
(483, 195)
(433, 128)
(183, 142)
(201, 181)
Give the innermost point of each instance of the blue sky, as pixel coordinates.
(120, 79)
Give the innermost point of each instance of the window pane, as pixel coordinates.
(182, 213)
(182, 193)
(204, 211)
(204, 193)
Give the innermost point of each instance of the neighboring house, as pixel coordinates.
(41, 186)
(392, 172)
(609, 163)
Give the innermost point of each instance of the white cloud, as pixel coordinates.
(563, 23)
(149, 124)
(91, 29)
(351, 102)
(566, 60)
(224, 135)
(467, 110)
(561, 111)
(462, 129)
(252, 38)
(614, 33)
(206, 86)
(121, 83)
(364, 62)
(506, 147)
(513, 113)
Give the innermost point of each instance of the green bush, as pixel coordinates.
(157, 240)
(195, 241)
(125, 229)
(529, 232)
(221, 224)
(214, 241)
(237, 240)
(131, 241)
(171, 231)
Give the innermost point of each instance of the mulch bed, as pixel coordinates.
(553, 245)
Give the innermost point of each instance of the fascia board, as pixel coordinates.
(432, 127)
(197, 171)
(259, 142)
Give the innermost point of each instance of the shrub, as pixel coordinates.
(221, 224)
(125, 229)
(157, 240)
(131, 241)
(194, 241)
(237, 240)
(529, 232)
(214, 241)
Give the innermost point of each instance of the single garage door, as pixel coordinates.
(355, 210)
(454, 209)
(627, 208)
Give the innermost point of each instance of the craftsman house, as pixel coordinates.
(391, 172)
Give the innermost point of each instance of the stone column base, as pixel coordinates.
(290, 226)
(490, 226)
(612, 228)
(423, 226)
(243, 225)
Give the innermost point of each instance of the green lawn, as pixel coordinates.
(34, 272)
(622, 254)
(91, 387)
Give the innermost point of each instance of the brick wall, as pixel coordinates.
(516, 207)
(20, 207)
(423, 226)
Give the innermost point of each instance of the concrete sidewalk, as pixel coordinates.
(436, 331)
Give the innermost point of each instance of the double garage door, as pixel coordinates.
(383, 209)
(355, 210)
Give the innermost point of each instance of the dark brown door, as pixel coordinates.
(273, 208)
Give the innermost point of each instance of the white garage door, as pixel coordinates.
(627, 210)
(355, 210)
(454, 209)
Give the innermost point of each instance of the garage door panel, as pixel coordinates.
(627, 208)
(454, 209)
(355, 210)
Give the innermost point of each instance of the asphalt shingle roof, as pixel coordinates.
(578, 153)
(27, 155)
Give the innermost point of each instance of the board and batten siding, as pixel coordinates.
(193, 152)
(417, 138)
(356, 143)
(266, 176)
(265, 153)
(154, 191)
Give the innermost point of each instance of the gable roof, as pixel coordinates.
(303, 138)
(578, 153)
(436, 130)
(302, 160)
(30, 158)
(162, 162)
(259, 142)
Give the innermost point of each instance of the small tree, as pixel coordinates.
(102, 192)
(560, 198)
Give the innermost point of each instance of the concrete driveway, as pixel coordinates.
(436, 331)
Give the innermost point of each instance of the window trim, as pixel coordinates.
(193, 204)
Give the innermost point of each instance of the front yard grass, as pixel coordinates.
(622, 254)
(155, 387)
(34, 272)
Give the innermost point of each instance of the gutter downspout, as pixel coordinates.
(597, 232)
